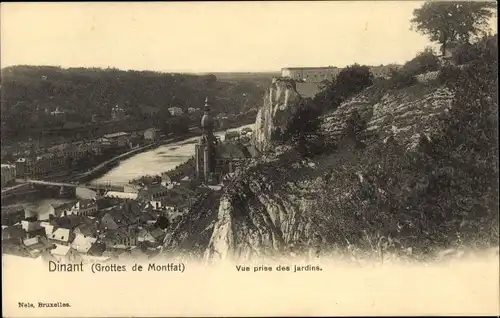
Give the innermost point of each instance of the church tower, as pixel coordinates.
(205, 150)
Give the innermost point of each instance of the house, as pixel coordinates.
(70, 221)
(121, 195)
(120, 238)
(8, 174)
(37, 246)
(175, 111)
(155, 192)
(151, 134)
(58, 210)
(117, 113)
(122, 216)
(119, 139)
(12, 234)
(65, 254)
(104, 143)
(32, 228)
(89, 230)
(150, 237)
(20, 165)
(60, 235)
(86, 207)
(149, 111)
(12, 214)
(231, 135)
(82, 243)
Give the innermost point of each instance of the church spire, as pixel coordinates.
(207, 120)
(207, 105)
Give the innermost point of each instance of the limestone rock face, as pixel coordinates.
(275, 112)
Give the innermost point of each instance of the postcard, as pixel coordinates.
(263, 158)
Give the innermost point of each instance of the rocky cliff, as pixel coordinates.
(272, 117)
(272, 206)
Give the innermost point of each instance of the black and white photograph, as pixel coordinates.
(283, 140)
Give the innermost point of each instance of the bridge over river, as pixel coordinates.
(92, 186)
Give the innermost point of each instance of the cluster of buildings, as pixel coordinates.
(62, 158)
(112, 225)
(94, 229)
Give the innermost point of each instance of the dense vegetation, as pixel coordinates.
(449, 22)
(444, 194)
(303, 129)
(30, 93)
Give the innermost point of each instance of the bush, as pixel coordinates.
(353, 79)
(400, 79)
(485, 48)
(448, 73)
(424, 62)
(465, 53)
(350, 81)
(303, 130)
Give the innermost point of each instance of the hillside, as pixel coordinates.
(29, 93)
(412, 182)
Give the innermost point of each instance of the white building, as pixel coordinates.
(311, 74)
(86, 207)
(8, 174)
(175, 111)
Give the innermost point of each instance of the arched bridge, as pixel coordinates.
(91, 186)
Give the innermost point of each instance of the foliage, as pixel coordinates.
(353, 79)
(162, 222)
(27, 91)
(350, 81)
(446, 22)
(354, 128)
(400, 79)
(468, 52)
(304, 128)
(443, 194)
(425, 61)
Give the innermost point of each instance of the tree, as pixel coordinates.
(353, 79)
(446, 22)
(162, 222)
(304, 128)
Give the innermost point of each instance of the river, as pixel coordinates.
(151, 162)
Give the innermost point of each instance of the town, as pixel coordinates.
(119, 224)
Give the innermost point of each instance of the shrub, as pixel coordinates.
(350, 81)
(465, 53)
(424, 62)
(353, 79)
(400, 79)
(448, 73)
(303, 130)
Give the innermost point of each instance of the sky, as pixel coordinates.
(208, 36)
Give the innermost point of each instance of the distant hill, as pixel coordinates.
(258, 78)
(30, 93)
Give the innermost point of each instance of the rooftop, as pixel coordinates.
(60, 250)
(116, 135)
(310, 68)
